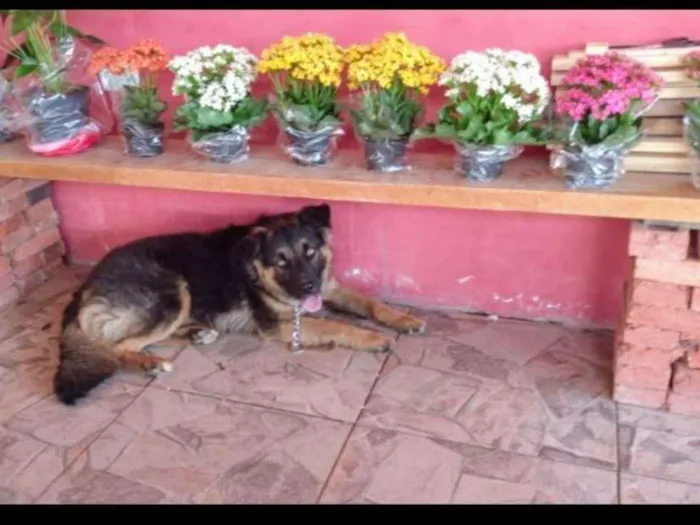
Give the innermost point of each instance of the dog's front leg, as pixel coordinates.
(328, 333)
(354, 303)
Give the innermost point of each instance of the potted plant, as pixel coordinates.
(55, 97)
(691, 119)
(496, 100)
(600, 103)
(219, 110)
(306, 72)
(390, 75)
(130, 76)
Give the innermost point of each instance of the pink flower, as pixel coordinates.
(606, 85)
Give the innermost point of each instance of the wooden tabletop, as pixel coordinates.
(527, 185)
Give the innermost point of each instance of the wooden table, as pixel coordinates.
(527, 185)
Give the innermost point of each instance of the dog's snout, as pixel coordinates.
(308, 287)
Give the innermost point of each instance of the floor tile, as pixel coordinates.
(332, 384)
(39, 442)
(380, 466)
(659, 444)
(641, 490)
(178, 447)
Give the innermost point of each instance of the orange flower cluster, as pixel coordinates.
(147, 56)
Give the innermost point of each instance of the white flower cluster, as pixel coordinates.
(218, 78)
(512, 74)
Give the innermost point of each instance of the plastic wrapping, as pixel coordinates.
(311, 148)
(65, 111)
(484, 163)
(6, 112)
(226, 147)
(141, 140)
(388, 155)
(592, 166)
(691, 133)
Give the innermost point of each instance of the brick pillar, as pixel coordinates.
(30, 242)
(657, 359)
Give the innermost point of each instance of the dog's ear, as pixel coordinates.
(248, 248)
(317, 216)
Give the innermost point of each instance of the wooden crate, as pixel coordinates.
(663, 149)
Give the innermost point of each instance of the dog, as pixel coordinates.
(239, 279)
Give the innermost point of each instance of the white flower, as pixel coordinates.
(217, 78)
(513, 75)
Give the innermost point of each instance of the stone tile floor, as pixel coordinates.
(477, 411)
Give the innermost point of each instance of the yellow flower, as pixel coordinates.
(393, 58)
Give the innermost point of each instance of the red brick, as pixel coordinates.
(31, 282)
(40, 242)
(6, 280)
(685, 405)
(19, 187)
(686, 273)
(53, 252)
(9, 297)
(646, 357)
(16, 238)
(42, 215)
(640, 396)
(651, 336)
(11, 225)
(51, 266)
(695, 299)
(692, 357)
(642, 377)
(685, 321)
(660, 294)
(686, 381)
(29, 265)
(13, 207)
(661, 243)
(4, 264)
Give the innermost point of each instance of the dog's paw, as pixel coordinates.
(409, 324)
(375, 342)
(159, 368)
(205, 336)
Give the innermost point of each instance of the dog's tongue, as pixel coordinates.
(312, 303)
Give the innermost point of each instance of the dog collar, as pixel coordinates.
(296, 330)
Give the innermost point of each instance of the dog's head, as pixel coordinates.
(289, 255)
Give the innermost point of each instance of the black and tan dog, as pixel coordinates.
(244, 279)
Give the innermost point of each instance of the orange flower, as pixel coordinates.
(107, 58)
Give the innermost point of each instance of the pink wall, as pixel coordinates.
(526, 265)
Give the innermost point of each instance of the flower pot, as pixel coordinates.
(387, 155)
(590, 166)
(59, 116)
(225, 147)
(143, 140)
(311, 148)
(484, 163)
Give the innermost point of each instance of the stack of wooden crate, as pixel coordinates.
(663, 149)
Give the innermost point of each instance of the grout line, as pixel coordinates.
(618, 446)
(98, 435)
(352, 430)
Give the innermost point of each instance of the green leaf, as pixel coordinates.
(22, 19)
(501, 136)
(25, 69)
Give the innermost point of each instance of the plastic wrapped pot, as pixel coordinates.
(58, 116)
(311, 148)
(483, 163)
(6, 135)
(596, 166)
(142, 140)
(388, 155)
(224, 147)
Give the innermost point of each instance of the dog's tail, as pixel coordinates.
(83, 364)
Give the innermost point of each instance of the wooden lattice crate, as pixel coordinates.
(663, 149)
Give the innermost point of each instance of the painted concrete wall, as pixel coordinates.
(528, 265)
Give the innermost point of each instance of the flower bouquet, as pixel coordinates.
(496, 100)
(691, 119)
(391, 74)
(601, 101)
(60, 109)
(305, 73)
(219, 110)
(130, 77)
